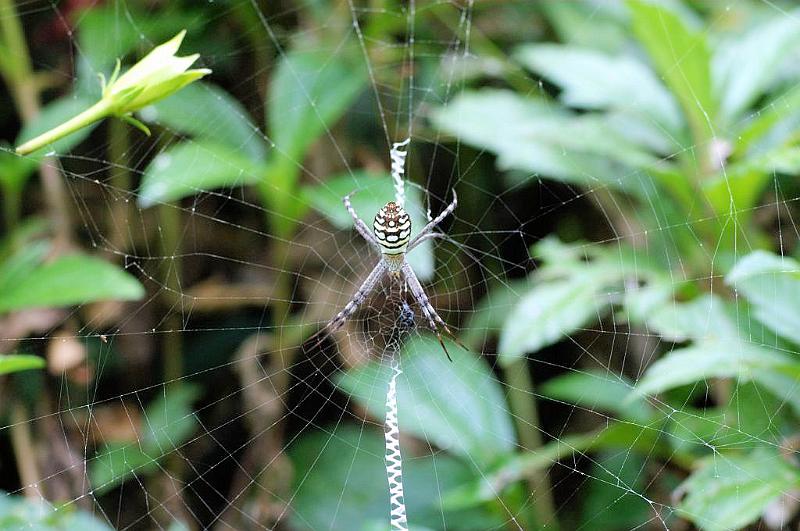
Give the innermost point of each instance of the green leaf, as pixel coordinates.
(14, 169)
(597, 25)
(574, 286)
(168, 422)
(731, 491)
(463, 411)
(206, 111)
(548, 313)
(535, 136)
(372, 192)
(741, 184)
(617, 436)
(308, 94)
(69, 280)
(193, 167)
(20, 362)
(746, 65)
(683, 60)
(593, 80)
(490, 313)
(779, 115)
(713, 359)
(611, 499)
(22, 256)
(771, 284)
(597, 390)
(340, 484)
(116, 462)
(695, 431)
(52, 115)
(703, 318)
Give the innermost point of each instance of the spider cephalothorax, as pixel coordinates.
(391, 236)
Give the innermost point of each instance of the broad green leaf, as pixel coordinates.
(167, 423)
(682, 58)
(593, 80)
(746, 65)
(771, 284)
(741, 184)
(779, 115)
(548, 313)
(22, 258)
(534, 136)
(308, 94)
(53, 114)
(611, 499)
(696, 431)
(713, 359)
(370, 192)
(69, 280)
(599, 25)
(490, 313)
(18, 512)
(731, 491)
(462, 410)
(206, 111)
(340, 484)
(116, 462)
(169, 420)
(575, 286)
(617, 436)
(594, 391)
(20, 362)
(193, 167)
(703, 318)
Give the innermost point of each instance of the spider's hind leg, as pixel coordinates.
(428, 310)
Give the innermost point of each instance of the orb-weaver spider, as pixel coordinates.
(391, 237)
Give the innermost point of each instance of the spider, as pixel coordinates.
(391, 238)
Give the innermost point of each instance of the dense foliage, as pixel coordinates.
(624, 260)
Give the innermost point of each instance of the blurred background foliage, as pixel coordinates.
(623, 266)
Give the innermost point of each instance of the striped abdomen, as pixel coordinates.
(392, 228)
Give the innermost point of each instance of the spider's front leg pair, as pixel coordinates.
(391, 237)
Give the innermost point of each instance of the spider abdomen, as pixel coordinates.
(392, 228)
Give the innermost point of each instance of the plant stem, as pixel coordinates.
(523, 405)
(120, 178)
(18, 72)
(169, 216)
(24, 453)
(11, 200)
(96, 112)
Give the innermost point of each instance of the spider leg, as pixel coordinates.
(361, 227)
(432, 224)
(434, 320)
(350, 308)
(425, 237)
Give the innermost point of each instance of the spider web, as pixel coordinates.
(262, 432)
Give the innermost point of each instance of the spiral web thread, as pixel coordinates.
(398, 155)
